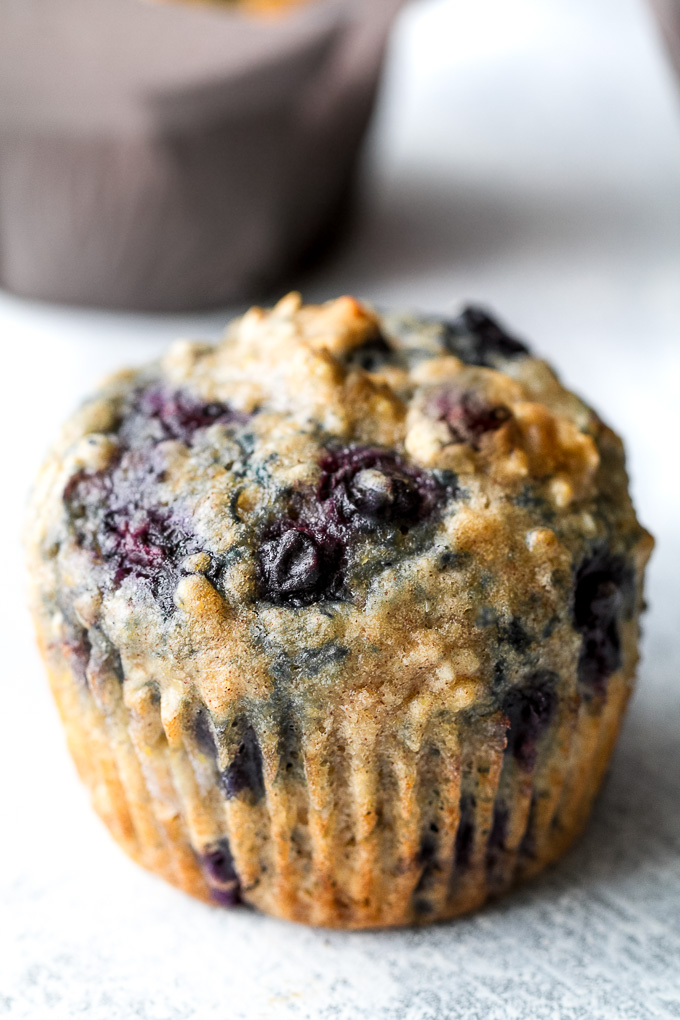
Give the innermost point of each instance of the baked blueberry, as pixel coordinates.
(245, 771)
(157, 413)
(378, 486)
(478, 339)
(219, 869)
(374, 355)
(604, 597)
(300, 564)
(465, 832)
(529, 709)
(117, 516)
(468, 416)
(498, 835)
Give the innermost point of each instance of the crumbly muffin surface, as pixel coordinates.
(325, 536)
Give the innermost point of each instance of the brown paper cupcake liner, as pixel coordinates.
(422, 823)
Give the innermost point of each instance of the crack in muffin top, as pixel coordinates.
(332, 499)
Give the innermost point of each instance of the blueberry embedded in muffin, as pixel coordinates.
(342, 613)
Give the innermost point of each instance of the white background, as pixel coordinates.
(526, 154)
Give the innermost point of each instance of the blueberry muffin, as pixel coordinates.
(341, 615)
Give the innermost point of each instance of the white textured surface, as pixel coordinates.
(527, 154)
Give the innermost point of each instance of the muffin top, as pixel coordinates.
(332, 501)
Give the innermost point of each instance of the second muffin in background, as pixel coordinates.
(200, 157)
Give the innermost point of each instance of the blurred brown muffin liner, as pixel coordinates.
(668, 15)
(265, 7)
(202, 156)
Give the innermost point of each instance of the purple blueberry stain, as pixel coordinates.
(118, 513)
(427, 861)
(514, 634)
(115, 514)
(373, 355)
(477, 339)
(529, 710)
(226, 897)
(158, 413)
(427, 850)
(245, 773)
(203, 732)
(604, 593)
(468, 416)
(498, 835)
(527, 847)
(465, 833)
(148, 545)
(140, 541)
(217, 863)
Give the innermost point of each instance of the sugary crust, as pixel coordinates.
(396, 744)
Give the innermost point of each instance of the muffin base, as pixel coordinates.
(345, 848)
